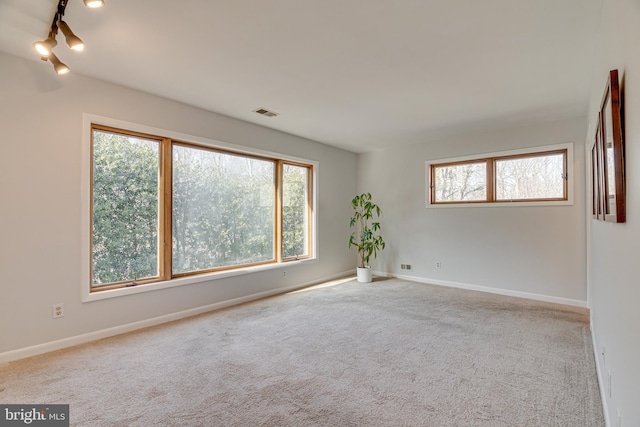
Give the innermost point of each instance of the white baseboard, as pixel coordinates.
(117, 330)
(507, 292)
(601, 378)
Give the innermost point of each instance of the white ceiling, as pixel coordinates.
(357, 74)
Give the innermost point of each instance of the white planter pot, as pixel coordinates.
(364, 274)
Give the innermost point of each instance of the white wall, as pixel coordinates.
(538, 250)
(614, 249)
(40, 178)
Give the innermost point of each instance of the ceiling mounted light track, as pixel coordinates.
(45, 47)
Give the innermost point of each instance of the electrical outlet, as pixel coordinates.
(604, 355)
(58, 311)
(284, 274)
(405, 267)
(438, 264)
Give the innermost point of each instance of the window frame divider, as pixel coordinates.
(279, 185)
(166, 202)
(491, 182)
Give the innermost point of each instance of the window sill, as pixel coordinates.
(500, 204)
(88, 296)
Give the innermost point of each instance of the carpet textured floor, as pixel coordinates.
(389, 353)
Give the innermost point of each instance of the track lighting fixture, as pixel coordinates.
(73, 41)
(45, 47)
(58, 65)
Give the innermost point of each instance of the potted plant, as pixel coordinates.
(364, 237)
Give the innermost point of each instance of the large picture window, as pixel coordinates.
(163, 209)
(525, 176)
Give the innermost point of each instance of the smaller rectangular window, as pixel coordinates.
(532, 177)
(536, 175)
(462, 182)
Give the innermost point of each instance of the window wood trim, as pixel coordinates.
(166, 202)
(160, 276)
(278, 212)
(432, 185)
(310, 213)
(165, 195)
(490, 163)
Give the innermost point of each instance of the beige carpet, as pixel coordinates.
(390, 353)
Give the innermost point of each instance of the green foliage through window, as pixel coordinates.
(294, 211)
(221, 214)
(220, 209)
(125, 207)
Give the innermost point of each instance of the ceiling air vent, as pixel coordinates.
(265, 112)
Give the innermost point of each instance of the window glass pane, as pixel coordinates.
(460, 182)
(223, 209)
(125, 208)
(610, 158)
(535, 177)
(294, 211)
(611, 179)
(611, 171)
